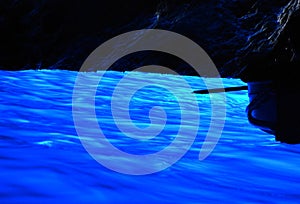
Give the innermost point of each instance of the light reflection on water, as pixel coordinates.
(42, 159)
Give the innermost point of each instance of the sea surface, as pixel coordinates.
(43, 159)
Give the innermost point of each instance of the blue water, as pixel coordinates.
(44, 161)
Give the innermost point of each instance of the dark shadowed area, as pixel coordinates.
(246, 39)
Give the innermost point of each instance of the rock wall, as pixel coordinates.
(246, 38)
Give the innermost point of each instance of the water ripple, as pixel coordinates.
(42, 159)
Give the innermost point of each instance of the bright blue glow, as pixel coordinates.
(43, 161)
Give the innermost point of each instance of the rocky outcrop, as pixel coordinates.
(246, 38)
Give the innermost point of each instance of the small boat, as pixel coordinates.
(262, 108)
(274, 108)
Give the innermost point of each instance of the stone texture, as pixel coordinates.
(246, 38)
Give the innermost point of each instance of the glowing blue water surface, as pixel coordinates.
(43, 161)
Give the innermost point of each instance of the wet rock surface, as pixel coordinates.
(246, 39)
